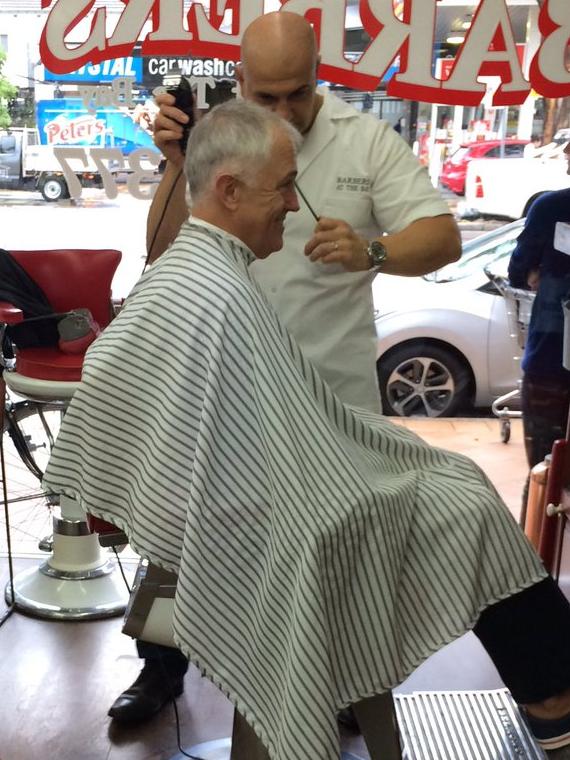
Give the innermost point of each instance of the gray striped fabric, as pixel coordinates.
(323, 552)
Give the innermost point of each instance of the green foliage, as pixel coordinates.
(7, 92)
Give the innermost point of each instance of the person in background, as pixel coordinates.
(541, 262)
(530, 150)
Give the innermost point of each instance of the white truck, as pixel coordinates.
(508, 187)
(75, 145)
(26, 163)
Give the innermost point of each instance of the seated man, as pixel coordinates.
(322, 552)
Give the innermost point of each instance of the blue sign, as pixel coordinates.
(66, 122)
(105, 71)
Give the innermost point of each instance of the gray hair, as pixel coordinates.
(238, 135)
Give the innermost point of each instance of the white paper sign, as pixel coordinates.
(562, 237)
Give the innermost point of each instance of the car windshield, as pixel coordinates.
(480, 252)
(459, 155)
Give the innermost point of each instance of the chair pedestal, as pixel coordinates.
(76, 583)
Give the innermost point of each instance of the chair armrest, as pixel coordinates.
(9, 314)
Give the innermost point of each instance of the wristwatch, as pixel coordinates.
(377, 254)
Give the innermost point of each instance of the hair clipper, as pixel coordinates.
(184, 100)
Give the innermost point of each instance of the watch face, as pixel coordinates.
(377, 253)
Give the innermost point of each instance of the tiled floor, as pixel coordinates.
(58, 679)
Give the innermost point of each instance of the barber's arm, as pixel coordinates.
(424, 246)
(168, 210)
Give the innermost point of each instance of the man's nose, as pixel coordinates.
(292, 201)
(283, 109)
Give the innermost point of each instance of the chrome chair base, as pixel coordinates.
(53, 596)
(76, 582)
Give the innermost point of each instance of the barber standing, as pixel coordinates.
(369, 206)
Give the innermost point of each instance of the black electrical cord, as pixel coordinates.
(160, 221)
(129, 589)
(165, 672)
(178, 741)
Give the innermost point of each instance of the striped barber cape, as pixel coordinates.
(323, 552)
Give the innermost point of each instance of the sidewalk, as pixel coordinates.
(504, 464)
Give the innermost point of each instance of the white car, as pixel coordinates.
(508, 187)
(446, 341)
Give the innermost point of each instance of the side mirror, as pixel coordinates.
(7, 144)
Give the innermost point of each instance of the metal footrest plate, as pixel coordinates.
(463, 725)
(442, 725)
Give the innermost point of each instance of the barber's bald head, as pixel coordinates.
(278, 69)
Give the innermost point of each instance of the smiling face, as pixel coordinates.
(266, 198)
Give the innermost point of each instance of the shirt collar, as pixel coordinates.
(213, 229)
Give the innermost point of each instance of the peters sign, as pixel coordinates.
(489, 48)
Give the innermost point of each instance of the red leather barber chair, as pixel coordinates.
(77, 581)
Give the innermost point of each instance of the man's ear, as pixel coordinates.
(228, 189)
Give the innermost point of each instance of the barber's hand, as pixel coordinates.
(168, 129)
(335, 242)
(533, 279)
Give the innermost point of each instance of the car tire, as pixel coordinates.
(54, 188)
(421, 379)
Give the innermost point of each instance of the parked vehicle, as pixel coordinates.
(25, 163)
(28, 156)
(507, 188)
(444, 341)
(454, 169)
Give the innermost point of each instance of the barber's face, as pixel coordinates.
(294, 98)
(267, 199)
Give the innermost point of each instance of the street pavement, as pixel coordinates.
(93, 221)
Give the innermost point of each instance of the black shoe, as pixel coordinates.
(553, 734)
(146, 696)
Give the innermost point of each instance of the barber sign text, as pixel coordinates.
(489, 48)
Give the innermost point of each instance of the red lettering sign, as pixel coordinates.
(489, 48)
(83, 129)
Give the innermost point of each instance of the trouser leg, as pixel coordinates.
(376, 718)
(527, 636)
(545, 415)
(169, 658)
(245, 743)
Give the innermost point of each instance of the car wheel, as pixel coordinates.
(423, 380)
(54, 188)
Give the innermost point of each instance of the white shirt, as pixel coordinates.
(355, 168)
